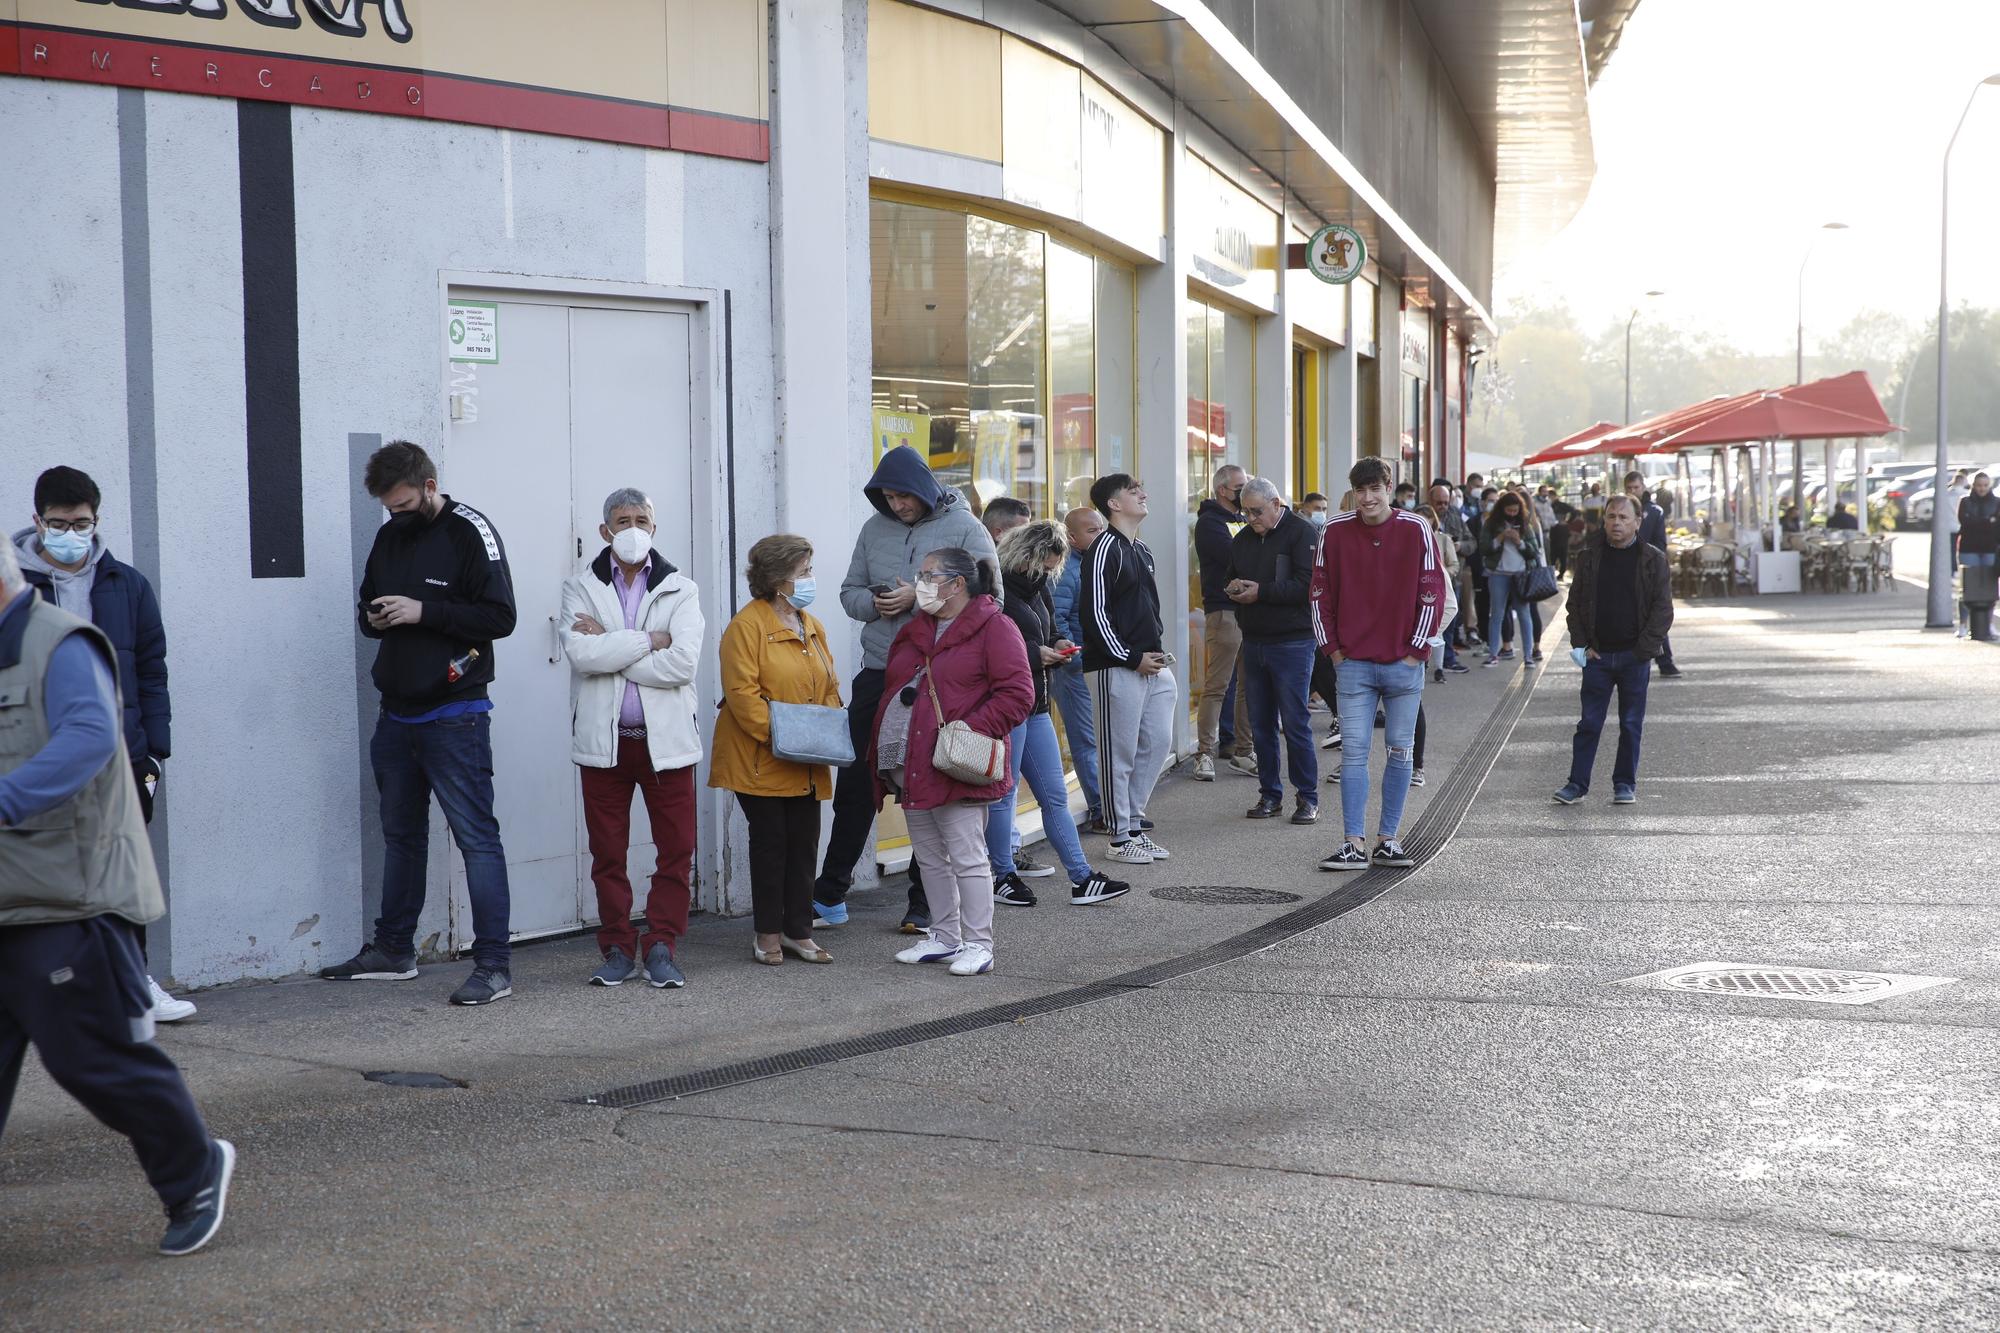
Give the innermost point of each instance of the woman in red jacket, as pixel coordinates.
(960, 646)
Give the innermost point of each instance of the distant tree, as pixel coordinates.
(1975, 382)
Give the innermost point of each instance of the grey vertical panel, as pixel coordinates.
(141, 434)
(364, 518)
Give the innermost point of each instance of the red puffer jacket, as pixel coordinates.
(980, 670)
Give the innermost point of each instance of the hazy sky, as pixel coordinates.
(1727, 131)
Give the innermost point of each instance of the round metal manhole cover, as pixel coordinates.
(1779, 981)
(1226, 895)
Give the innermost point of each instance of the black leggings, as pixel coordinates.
(784, 841)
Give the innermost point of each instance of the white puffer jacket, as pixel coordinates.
(601, 664)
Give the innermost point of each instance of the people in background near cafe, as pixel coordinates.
(436, 593)
(1030, 556)
(1455, 545)
(958, 659)
(1559, 532)
(1378, 597)
(1004, 513)
(1509, 543)
(1653, 532)
(1270, 580)
(1978, 545)
(1482, 604)
(1132, 688)
(1593, 505)
(76, 877)
(915, 514)
(775, 651)
(1843, 519)
(64, 557)
(1953, 495)
(1216, 521)
(1788, 519)
(1066, 683)
(1620, 608)
(632, 628)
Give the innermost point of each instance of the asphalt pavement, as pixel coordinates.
(1304, 1100)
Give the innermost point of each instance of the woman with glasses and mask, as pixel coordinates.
(958, 659)
(1512, 543)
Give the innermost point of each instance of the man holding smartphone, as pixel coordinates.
(1270, 580)
(436, 593)
(1132, 691)
(1378, 597)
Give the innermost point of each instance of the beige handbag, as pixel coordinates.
(962, 754)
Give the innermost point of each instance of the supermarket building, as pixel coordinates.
(724, 250)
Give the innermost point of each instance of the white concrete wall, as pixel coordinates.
(265, 795)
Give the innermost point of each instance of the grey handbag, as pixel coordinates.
(811, 733)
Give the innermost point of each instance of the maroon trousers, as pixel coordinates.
(607, 820)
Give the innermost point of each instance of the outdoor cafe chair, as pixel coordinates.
(1716, 567)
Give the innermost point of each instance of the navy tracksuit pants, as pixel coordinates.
(76, 991)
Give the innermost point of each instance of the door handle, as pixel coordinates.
(555, 640)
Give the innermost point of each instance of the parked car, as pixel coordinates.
(1895, 498)
(1919, 504)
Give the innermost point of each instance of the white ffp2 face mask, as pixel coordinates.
(631, 544)
(928, 597)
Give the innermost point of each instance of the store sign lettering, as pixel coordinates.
(1417, 352)
(227, 71)
(343, 18)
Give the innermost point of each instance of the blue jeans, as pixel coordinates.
(1278, 676)
(1072, 696)
(1628, 674)
(1033, 751)
(1500, 597)
(1398, 688)
(453, 758)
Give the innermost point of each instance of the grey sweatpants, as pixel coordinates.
(949, 842)
(1135, 734)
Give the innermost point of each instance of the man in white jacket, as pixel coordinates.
(632, 629)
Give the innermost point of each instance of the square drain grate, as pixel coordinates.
(1772, 982)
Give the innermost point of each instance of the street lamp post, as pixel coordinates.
(1628, 357)
(1937, 607)
(1799, 375)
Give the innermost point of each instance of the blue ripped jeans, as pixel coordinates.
(1398, 687)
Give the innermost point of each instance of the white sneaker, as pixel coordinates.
(1131, 852)
(971, 960)
(166, 1009)
(1244, 764)
(926, 950)
(1151, 848)
(1204, 765)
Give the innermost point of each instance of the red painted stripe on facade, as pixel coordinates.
(170, 67)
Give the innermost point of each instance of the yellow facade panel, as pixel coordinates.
(613, 48)
(934, 81)
(716, 56)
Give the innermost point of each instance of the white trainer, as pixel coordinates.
(972, 960)
(1151, 848)
(926, 950)
(1131, 852)
(1204, 765)
(166, 1009)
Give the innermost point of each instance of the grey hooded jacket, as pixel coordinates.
(889, 549)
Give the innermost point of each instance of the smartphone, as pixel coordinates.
(375, 607)
(1169, 658)
(1070, 651)
(881, 590)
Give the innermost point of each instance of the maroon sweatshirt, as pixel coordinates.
(1378, 593)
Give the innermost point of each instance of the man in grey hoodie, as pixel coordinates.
(915, 515)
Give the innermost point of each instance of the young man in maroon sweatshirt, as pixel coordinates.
(1377, 602)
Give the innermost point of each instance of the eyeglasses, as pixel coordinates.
(1258, 512)
(82, 527)
(935, 576)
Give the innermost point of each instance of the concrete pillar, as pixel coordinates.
(1338, 423)
(1271, 453)
(1387, 440)
(1161, 447)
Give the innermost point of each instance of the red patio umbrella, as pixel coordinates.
(1641, 436)
(1585, 441)
(1842, 407)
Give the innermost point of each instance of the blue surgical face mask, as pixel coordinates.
(65, 548)
(801, 595)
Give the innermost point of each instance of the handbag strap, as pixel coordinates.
(930, 685)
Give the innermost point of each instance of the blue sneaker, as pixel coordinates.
(829, 916)
(194, 1223)
(1624, 793)
(661, 970)
(613, 971)
(1570, 794)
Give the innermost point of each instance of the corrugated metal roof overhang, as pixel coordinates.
(1518, 66)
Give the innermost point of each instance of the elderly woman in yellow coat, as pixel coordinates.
(775, 651)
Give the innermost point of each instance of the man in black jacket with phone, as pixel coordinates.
(1270, 580)
(436, 592)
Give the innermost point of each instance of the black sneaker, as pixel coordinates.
(1348, 857)
(1095, 824)
(1389, 852)
(1670, 671)
(914, 922)
(194, 1223)
(371, 964)
(484, 986)
(1097, 889)
(1009, 890)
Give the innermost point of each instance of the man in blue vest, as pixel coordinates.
(76, 876)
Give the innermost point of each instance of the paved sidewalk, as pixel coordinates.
(1434, 1111)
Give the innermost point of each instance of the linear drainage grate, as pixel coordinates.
(1449, 801)
(1773, 982)
(1231, 895)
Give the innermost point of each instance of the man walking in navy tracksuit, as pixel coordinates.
(76, 874)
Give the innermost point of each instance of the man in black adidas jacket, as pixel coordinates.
(1270, 580)
(437, 593)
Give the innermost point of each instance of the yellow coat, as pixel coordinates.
(763, 660)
